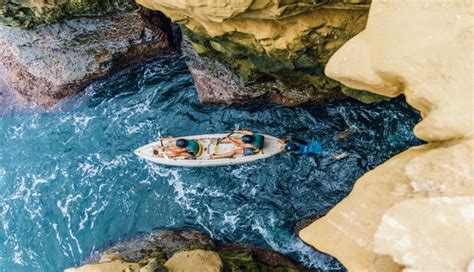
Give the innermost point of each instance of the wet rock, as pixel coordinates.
(187, 250)
(168, 241)
(239, 52)
(51, 62)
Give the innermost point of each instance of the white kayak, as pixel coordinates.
(210, 145)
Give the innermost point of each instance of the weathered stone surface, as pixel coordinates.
(426, 54)
(195, 260)
(258, 49)
(107, 263)
(54, 61)
(187, 250)
(412, 243)
(28, 13)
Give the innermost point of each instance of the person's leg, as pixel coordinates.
(228, 154)
(186, 154)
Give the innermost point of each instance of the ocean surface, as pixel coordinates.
(71, 185)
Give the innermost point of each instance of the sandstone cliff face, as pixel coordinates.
(270, 49)
(416, 210)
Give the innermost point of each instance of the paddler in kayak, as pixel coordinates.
(249, 144)
(184, 148)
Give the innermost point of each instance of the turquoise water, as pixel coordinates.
(70, 184)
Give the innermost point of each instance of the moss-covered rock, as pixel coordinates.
(363, 96)
(187, 250)
(29, 13)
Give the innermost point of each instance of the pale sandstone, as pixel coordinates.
(108, 263)
(195, 260)
(424, 50)
(412, 243)
(242, 51)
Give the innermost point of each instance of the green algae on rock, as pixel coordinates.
(165, 250)
(29, 13)
(271, 50)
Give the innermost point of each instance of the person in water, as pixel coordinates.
(249, 144)
(296, 147)
(184, 148)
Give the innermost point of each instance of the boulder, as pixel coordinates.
(51, 62)
(195, 260)
(186, 250)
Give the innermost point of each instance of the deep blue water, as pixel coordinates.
(70, 184)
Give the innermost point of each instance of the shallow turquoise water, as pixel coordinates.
(70, 184)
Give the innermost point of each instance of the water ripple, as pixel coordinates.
(70, 184)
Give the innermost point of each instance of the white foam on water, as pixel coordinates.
(96, 213)
(17, 256)
(286, 244)
(2, 174)
(81, 122)
(231, 219)
(64, 210)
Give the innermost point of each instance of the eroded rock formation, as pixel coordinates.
(186, 250)
(241, 51)
(423, 197)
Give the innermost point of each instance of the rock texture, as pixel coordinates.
(186, 250)
(401, 235)
(195, 260)
(29, 13)
(414, 212)
(240, 51)
(50, 62)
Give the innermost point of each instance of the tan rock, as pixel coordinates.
(271, 50)
(403, 236)
(195, 260)
(108, 263)
(424, 50)
(426, 53)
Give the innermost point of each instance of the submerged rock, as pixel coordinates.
(393, 219)
(50, 62)
(186, 250)
(241, 51)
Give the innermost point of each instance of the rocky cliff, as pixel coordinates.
(186, 250)
(414, 212)
(242, 51)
